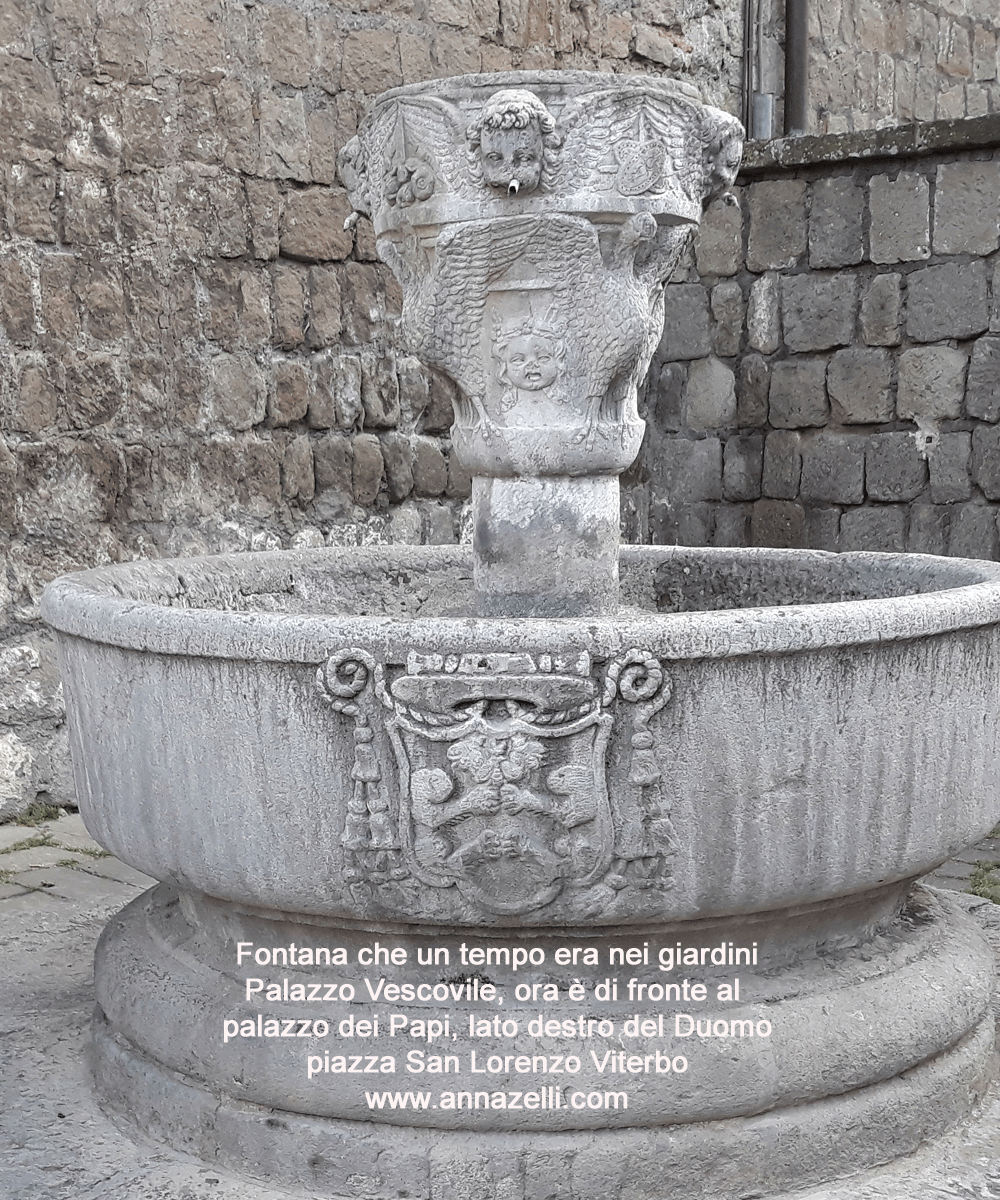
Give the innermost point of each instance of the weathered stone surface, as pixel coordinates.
(288, 298)
(928, 528)
(430, 470)
(818, 313)
(833, 468)
(900, 218)
(37, 405)
(778, 523)
(297, 478)
(931, 383)
(728, 309)
(718, 243)
(777, 211)
(835, 223)
(859, 383)
(973, 531)
(982, 388)
(894, 469)
(948, 301)
(290, 399)
(379, 392)
(823, 528)
(238, 397)
(741, 467)
(367, 469)
(949, 461)
(312, 225)
(710, 395)
(335, 399)
(753, 380)
(324, 321)
(986, 460)
(881, 310)
(782, 465)
(763, 320)
(966, 210)
(397, 455)
(877, 528)
(797, 395)
(686, 322)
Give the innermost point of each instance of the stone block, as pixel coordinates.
(741, 467)
(710, 395)
(797, 394)
(986, 460)
(288, 300)
(368, 468)
(894, 469)
(312, 227)
(362, 303)
(298, 481)
(454, 51)
(973, 532)
(397, 455)
(688, 525)
(17, 308)
(291, 392)
(686, 323)
(379, 392)
(931, 383)
(881, 310)
(94, 390)
(823, 528)
(264, 211)
(782, 465)
(995, 312)
(753, 379)
(731, 526)
(876, 528)
(818, 313)
(323, 326)
(415, 57)
(777, 237)
(37, 404)
(237, 396)
(859, 382)
(778, 523)
(836, 236)
(430, 470)
(718, 244)
(371, 61)
(31, 191)
(947, 301)
(833, 469)
(335, 399)
(459, 479)
(333, 459)
(967, 208)
(928, 529)
(665, 404)
(59, 317)
(900, 218)
(950, 463)
(687, 471)
(763, 320)
(728, 309)
(285, 44)
(658, 46)
(982, 387)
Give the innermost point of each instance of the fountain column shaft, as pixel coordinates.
(546, 547)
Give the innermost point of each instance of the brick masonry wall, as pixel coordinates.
(829, 375)
(194, 357)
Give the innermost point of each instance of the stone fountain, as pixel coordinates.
(571, 870)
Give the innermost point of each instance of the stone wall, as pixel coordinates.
(194, 356)
(830, 372)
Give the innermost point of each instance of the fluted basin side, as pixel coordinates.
(764, 757)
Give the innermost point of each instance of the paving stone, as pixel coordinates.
(729, 310)
(741, 467)
(947, 301)
(797, 394)
(817, 312)
(966, 208)
(894, 469)
(882, 528)
(778, 523)
(928, 529)
(973, 532)
(8, 890)
(37, 856)
(718, 244)
(900, 218)
(982, 387)
(859, 383)
(835, 223)
(881, 311)
(782, 464)
(986, 460)
(114, 868)
(709, 396)
(833, 468)
(753, 379)
(777, 237)
(65, 883)
(949, 462)
(763, 319)
(686, 323)
(931, 383)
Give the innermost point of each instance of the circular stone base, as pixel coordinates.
(875, 1048)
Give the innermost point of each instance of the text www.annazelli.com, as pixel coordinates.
(544, 1098)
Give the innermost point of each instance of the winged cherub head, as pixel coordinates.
(512, 144)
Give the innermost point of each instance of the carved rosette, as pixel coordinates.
(532, 220)
(487, 774)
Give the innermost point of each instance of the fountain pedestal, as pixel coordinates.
(477, 882)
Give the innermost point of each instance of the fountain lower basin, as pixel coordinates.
(764, 748)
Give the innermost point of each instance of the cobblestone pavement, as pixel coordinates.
(58, 888)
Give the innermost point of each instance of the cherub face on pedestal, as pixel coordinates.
(530, 362)
(512, 144)
(512, 158)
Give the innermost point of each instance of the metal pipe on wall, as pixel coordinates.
(796, 67)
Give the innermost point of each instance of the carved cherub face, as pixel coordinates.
(531, 362)
(512, 158)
